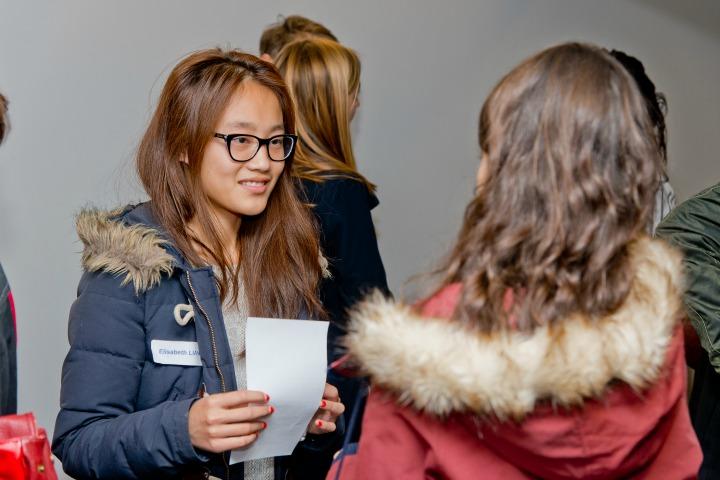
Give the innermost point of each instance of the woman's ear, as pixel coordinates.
(267, 58)
(184, 159)
(482, 172)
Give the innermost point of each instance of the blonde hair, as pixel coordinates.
(322, 75)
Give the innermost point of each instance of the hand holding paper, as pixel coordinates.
(287, 360)
(221, 422)
(330, 409)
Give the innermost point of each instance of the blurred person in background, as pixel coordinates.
(286, 30)
(656, 104)
(8, 330)
(694, 228)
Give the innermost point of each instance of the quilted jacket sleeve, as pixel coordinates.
(98, 432)
(694, 227)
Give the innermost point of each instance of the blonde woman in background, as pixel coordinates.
(324, 81)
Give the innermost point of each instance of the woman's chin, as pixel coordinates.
(250, 209)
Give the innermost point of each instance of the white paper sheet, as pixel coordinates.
(287, 359)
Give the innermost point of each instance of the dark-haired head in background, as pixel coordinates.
(8, 347)
(655, 101)
(288, 29)
(656, 105)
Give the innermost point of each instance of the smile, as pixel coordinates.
(255, 186)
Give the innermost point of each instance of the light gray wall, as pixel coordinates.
(82, 77)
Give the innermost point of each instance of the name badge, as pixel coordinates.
(169, 352)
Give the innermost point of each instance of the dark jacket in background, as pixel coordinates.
(342, 207)
(121, 414)
(8, 349)
(694, 227)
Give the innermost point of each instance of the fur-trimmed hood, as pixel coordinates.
(132, 248)
(440, 367)
(136, 252)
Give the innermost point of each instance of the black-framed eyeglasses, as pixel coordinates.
(243, 147)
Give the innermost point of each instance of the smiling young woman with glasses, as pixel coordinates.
(224, 237)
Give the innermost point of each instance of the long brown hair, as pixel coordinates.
(322, 75)
(279, 249)
(573, 167)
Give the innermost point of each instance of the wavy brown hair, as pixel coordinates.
(573, 167)
(322, 75)
(279, 249)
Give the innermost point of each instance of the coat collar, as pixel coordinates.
(440, 367)
(121, 245)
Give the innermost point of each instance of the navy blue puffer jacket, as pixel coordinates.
(122, 415)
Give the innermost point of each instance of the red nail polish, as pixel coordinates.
(319, 423)
(323, 404)
(267, 398)
(264, 425)
(271, 409)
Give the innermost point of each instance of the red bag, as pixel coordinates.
(24, 449)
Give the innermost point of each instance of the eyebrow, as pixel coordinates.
(252, 126)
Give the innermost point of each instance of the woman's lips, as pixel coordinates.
(255, 186)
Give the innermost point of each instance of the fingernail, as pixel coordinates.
(323, 404)
(319, 423)
(267, 398)
(271, 409)
(264, 425)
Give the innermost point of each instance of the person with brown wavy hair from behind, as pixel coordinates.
(552, 348)
(324, 81)
(287, 30)
(155, 385)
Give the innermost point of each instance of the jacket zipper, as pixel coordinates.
(215, 356)
(212, 333)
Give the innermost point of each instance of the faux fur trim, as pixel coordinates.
(440, 367)
(134, 252)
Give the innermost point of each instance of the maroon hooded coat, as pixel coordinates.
(589, 398)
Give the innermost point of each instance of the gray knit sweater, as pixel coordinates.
(235, 316)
